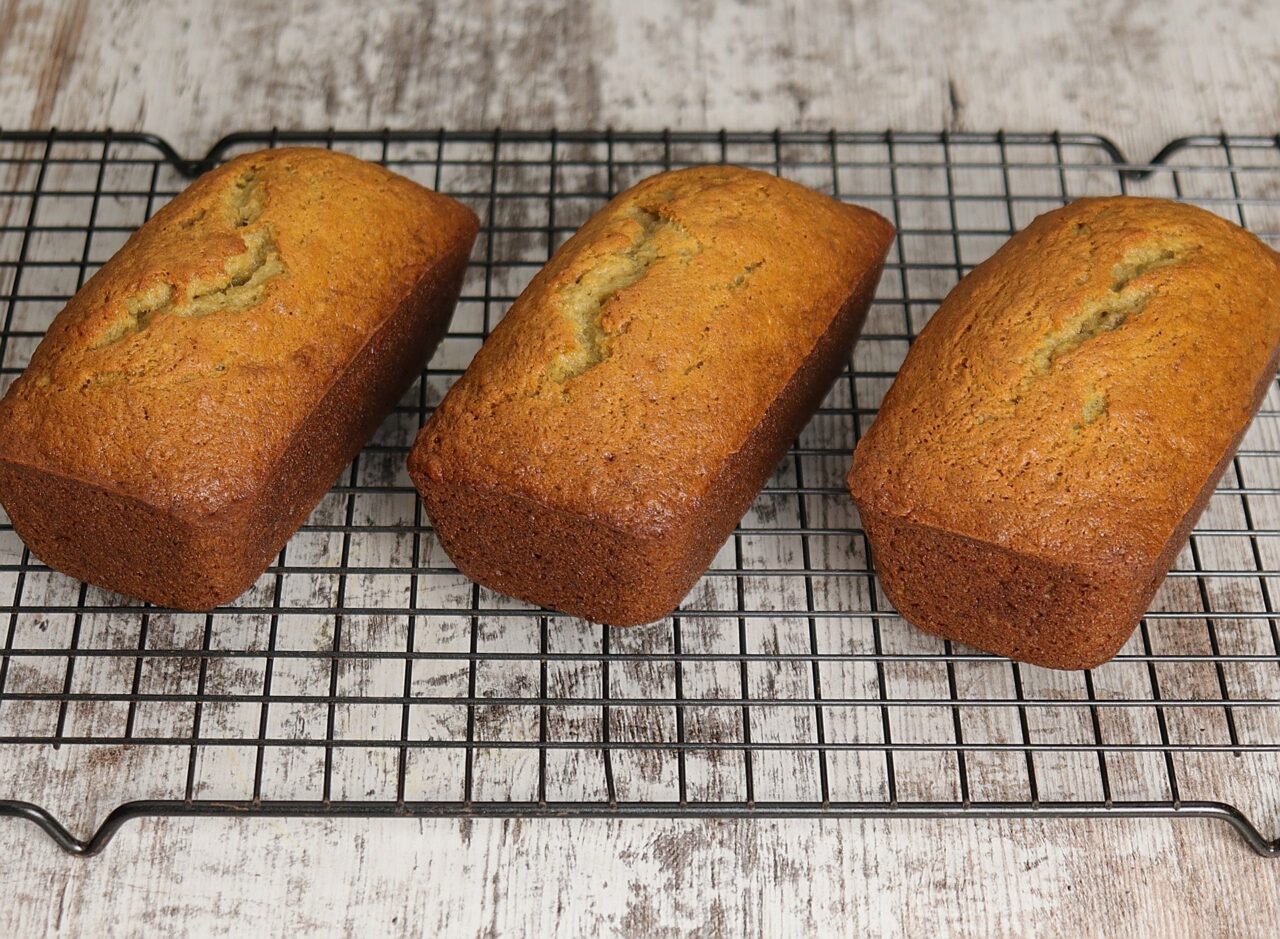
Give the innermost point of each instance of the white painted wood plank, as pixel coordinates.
(1142, 72)
(628, 878)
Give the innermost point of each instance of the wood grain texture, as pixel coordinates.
(647, 879)
(662, 878)
(1141, 72)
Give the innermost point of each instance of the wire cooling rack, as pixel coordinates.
(363, 675)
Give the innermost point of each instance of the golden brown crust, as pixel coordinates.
(630, 396)
(169, 406)
(1069, 405)
(187, 381)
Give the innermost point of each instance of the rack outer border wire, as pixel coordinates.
(184, 808)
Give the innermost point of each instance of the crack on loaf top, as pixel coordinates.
(1123, 301)
(238, 286)
(1141, 261)
(585, 301)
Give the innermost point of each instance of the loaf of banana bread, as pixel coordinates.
(621, 418)
(1060, 423)
(197, 397)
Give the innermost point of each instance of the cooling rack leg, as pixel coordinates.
(47, 823)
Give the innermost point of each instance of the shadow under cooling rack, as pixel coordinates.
(362, 675)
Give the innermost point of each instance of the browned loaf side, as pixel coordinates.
(194, 401)
(1061, 422)
(611, 432)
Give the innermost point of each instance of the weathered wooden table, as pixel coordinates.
(1140, 73)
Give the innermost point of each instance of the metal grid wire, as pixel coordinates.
(363, 675)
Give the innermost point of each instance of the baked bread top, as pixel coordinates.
(258, 284)
(642, 356)
(1073, 394)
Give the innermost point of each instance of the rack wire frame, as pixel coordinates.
(363, 676)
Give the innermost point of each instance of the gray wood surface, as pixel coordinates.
(1140, 72)
(595, 878)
